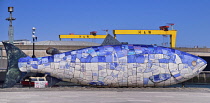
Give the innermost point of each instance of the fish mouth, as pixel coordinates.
(201, 68)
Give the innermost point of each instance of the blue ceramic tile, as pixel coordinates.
(145, 51)
(73, 52)
(113, 66)
(165, 51)
(130, 47)
(57, 56)
(178, 52)
(82, 69)
(114, 75)
(90, 50)
(120, 54)
(35, 66)
(50, 58)
(102, 53)
(101, 48)
(36, 59)
(44, 60)
(131, 59)
(137, 47)
(83, 66)
(125, 51)
(176, 75)
(159, 77)
(101, 59)
(140, 58)
(145, 81)
(108, 53)
(67, 66)
(144, 46)
(85, 50)
(151, 56)
(125, 47)
(149, 70)
(108, 58)
(39, 62)
(67, 53)
(86, 60)
(115, 58)
(151, 50)
(26, 59)
(96, 83)
(95, 74)
(79, 55)
(172, 50)
(94, 60)
(150, 46)
(108, 48)
(100, 67)
(117, 48)
(163, 60)
(79, 51)
(95, 48)
(64, 58)
(158, 50)
(73, 58)
(131, 52)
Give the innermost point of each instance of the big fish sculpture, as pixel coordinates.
(118, 66)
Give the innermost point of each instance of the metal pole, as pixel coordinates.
(11, 29)
(33, 36)
(33, 56)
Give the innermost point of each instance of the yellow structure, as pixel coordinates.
(172, 34)
(83, 36)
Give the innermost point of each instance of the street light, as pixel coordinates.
(34, 38)
(11, 29)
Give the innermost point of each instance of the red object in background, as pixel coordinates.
(93, 33)
(27, 83)
(165, 28)
(170, 24)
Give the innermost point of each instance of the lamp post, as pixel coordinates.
(11, 29)
(34, 38)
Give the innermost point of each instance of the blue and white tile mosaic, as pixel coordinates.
(118, 65)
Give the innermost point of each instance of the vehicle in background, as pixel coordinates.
(30, 82)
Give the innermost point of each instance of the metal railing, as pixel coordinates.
(202, 78)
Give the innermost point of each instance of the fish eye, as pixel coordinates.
(194, 63)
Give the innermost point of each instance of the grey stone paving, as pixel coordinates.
(105, 95)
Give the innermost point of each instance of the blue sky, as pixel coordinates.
(55, 17)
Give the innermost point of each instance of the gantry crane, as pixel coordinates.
(91, 36)
(163, 31)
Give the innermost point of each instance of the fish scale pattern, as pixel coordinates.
(118, 66)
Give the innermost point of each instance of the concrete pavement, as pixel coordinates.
(104, 95)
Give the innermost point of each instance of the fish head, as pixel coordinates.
(187, 66)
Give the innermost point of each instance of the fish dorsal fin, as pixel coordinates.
(109, 40)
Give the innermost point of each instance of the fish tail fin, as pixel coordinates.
(13, 74)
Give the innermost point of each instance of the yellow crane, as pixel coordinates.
(91, 36)
(172, 34)
(164, 31)
(83, 36)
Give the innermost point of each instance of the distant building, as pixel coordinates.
(19, 42)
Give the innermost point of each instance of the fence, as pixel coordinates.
(202, 78)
